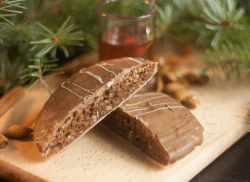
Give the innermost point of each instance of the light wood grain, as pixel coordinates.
(101, 156)
(10, 99)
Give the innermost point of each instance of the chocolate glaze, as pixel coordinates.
(76, 92)
(177, 130)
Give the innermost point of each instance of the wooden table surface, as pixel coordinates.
(232, 165)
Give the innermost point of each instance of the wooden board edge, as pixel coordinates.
(225, 141)
(13, 173)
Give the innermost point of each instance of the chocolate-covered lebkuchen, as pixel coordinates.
(86, 98)
(157, 125)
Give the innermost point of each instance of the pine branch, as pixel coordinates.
(206, 22)
(209, 23)
(8, 7)
(38, 69)
(47, 45)
(220, 16)
(164, 19)
(220, 24)
(66, 35)
(227, 58)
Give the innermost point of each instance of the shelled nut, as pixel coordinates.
(160, 84)
(173, 87)
(175, 76)
(191, 102)
(180, 94)
(201, 80)
(169, 77)
(183, 81)
(164, 69)
(191, 78)
(19, 131)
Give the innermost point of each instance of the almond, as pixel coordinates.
(201, 80)
(173, 87)
(19, 131)
(169, 77)
(191, 102)
(180, 94)
(191, 78)
(183, 82)
(164, 69)
(160, 84)
(3, 141)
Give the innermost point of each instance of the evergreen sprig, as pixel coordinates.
(228, 58)
(166, 16)
(220, 16)
(47, 47)
(213, 24)
(221, 26)
(36, 71)
(8, 7)
(66, 35)
(231, 44)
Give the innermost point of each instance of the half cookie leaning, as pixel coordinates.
(157, 125)
(86, 98)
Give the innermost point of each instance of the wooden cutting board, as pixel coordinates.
(101, 156)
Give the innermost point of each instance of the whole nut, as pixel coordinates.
(183, 81)
(191, 102)
(201, 80)
(108, 107)
(164, 69)
(180, 94)
(160, 84)
(169, 77)
(19, 131)
(191, 78)
(173, 87)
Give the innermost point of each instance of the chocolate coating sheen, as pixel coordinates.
(176, 128)
(77, 92)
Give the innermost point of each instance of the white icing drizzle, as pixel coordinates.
(150, 106)
(141, 95)
(70, 90)
(91, 74)
(107, 64)
(164, 103)
(43, 131)
(145, 100)
(131, 107)
(106, 68)
(39, 142)
(135, 60)
(159, 109)
(138, 109)
(39, 132)
(82, 88)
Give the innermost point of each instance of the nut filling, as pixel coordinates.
(137, 134)
(82, 119)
